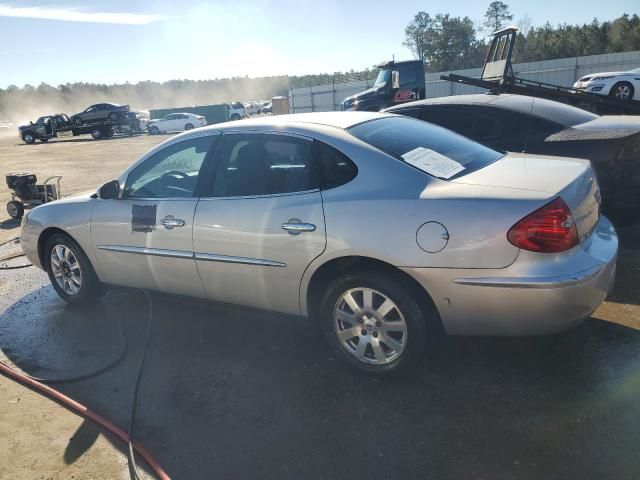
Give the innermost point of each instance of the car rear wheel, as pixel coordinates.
(28, 138)
(70, 271)
(96, 133)
(373, 322)
(622, 91)
(188, 126)
(153, 130)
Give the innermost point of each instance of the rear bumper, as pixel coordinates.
(537, 294)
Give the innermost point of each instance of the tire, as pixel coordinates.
(97, 133)
(109, 133)
(28, 138)
(153, 130)
(622, 91)
(67, 274)
(15, 209)
(235, 116)
(400, 334)
(188, 126)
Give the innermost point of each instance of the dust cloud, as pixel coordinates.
(18, 105)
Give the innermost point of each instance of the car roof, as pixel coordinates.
(342, 120)
(559, 112)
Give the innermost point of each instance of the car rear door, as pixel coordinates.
(145, 238)
(260, 222)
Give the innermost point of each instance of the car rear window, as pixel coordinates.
(428, 147)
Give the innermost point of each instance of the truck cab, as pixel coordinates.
(397, 82)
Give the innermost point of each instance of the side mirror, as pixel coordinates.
(395, 79)
(109, 190)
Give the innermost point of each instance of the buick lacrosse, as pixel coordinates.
(385, 229)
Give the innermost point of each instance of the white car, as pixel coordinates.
(622, 85)
(252, 108)
(236, 111)
(176, 122)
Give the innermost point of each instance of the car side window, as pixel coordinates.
(171, 172)
(264, 164)
(90, 109)
(335, 167)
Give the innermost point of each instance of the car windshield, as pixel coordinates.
(430, 148)
(383, 78)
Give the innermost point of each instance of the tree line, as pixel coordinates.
(445, 42)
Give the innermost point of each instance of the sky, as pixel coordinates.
(134, 40)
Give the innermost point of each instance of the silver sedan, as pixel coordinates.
(385, 229)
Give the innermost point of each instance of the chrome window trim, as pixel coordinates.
(207, 257)
(268, 195)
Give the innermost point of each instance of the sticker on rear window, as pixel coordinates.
(432, 162)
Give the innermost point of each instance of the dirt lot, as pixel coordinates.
(216, 402)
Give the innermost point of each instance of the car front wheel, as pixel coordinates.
(622, 91)
(70, 271)
(373, 322)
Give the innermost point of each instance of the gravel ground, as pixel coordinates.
(235, 393)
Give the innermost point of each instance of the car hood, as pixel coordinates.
(606, 74)
(609, 127)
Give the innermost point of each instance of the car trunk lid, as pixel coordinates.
(572, 179)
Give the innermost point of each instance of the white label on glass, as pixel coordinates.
(433, 163)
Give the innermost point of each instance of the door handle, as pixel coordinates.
(296, 227)
(171, 222)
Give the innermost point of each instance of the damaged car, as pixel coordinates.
(518, 123)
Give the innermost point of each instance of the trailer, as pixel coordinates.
(498, 76)
(59, 125)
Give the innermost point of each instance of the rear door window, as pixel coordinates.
(335, 167)
(427, 147)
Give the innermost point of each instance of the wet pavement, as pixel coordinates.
(235, 393)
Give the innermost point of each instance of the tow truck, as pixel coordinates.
(59, 125)
(498, 76)
(397, 82)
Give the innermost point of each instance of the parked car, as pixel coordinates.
(236, 111)
(517, 123)
(267, 108)
(101, 112)
(251, 108)
(622, 85)
(176, 122)
(383, 228)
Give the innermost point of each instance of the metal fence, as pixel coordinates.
(562, 71)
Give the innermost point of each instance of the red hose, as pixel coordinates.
(85, 412)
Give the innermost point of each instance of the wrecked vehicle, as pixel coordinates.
(518, 123)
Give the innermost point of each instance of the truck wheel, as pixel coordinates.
(15, 209)
(28, 138)
(96, 133)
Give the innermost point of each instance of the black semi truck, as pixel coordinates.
(397, 82)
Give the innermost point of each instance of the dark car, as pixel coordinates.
(101, 112)
(518, 123)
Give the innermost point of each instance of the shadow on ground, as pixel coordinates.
(235, 393)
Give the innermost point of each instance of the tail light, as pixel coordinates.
(549, 229)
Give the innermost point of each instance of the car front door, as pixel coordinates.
(260, 222)
(144, 238)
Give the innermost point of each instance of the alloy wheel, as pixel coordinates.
(622, 92)
(370, 326)
(66, 269)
